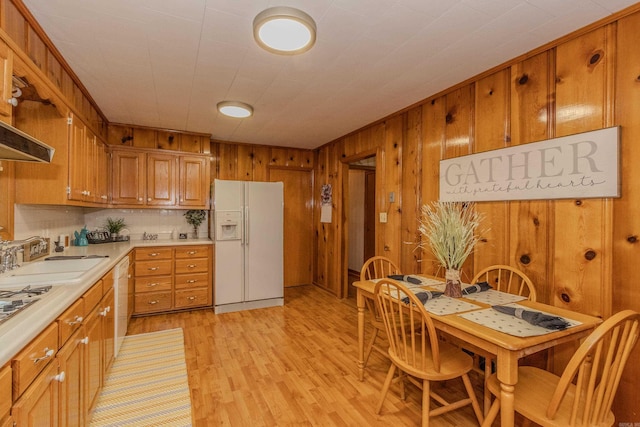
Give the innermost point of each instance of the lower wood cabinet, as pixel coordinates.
(168, 278)
(57, 378)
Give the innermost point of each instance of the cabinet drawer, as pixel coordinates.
(153, 253)
(193, 298)
(195, 265)
(33, 358)
(70, 321)
(153, 301)
(196, 280)
(153, 268)
(153, 284)
(92, 297)
(5, 391)
(192, 252)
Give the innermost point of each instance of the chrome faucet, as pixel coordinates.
(9, 250)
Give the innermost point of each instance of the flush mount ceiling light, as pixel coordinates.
(284, 30)
(235, 109)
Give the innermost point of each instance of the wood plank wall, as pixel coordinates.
(580, 254)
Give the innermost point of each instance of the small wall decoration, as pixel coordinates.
(584, 165)
(326, 200)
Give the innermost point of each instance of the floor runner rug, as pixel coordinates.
(147, 384)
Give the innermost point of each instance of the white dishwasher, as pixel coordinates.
(121, 288)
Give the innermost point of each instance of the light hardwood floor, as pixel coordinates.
(290, 366)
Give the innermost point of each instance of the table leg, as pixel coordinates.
(508, 377)
(360, 304)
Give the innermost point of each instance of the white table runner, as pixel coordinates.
(510, 324)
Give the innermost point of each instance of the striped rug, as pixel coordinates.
(147, 385)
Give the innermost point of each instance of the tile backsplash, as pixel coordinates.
(52, 221)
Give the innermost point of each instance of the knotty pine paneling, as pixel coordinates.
(626, 225)
(409, 196)
(321, 231)
(261, 158)
(459, 137)
(390, 237)
(227, 161)
(529, 223)
(244, 171)
(581, 255)
(434, 115)
(491, 125)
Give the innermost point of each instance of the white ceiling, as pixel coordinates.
(167, 63)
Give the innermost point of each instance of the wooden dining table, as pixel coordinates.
(507, 348)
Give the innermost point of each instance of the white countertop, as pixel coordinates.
(20, 329)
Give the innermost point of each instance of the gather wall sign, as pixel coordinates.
(584, 165)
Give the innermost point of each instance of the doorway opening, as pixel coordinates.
(361, 224)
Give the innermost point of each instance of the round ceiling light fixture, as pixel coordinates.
(235, 109)
(284, 30)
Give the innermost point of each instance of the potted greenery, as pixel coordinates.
(195, 218)
(450, 232)
(114, 226)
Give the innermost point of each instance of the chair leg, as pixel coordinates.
(472, 396)
(385, 387)
(370, 346)
(426, 402)
(491, 415)
(487, 393)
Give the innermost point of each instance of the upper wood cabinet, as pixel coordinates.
(156, 178)
(88, 166)
(6, 74)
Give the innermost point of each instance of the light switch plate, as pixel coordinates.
(383, 217)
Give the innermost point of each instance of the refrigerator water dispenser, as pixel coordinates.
(228, 225)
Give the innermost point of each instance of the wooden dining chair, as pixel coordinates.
(583, 395)
(416, 351)
(507, 279)
(376, 267)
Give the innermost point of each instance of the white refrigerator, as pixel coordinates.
(249, 251)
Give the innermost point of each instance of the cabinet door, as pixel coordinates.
(6, 72)
(102, 169)
(77, 160)
(194, 182)
(128, 176)
(71, 359)
(108, 331)
(38, 406)
(93, 359)
(161, 180)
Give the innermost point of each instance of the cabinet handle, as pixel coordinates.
(192, 252)
(153, 268)
(191, 266)
(154, 254)
(191, 281)
(151, 285)
(47, 354)
(84, 340)
(75, 321)
(103, 197)
(191, 298)
(104, 312)
(153, 302)
(60, 377)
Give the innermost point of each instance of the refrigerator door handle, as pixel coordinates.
(246, 225)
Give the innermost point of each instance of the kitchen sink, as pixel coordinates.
(51, 272)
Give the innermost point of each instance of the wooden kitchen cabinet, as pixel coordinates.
(194, 182)
(39, 406)
(71, 362)
(33, 359)
(154, 178)
(88, 165)
(5, 392)
(168, 278)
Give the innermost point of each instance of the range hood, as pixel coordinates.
(17, 145)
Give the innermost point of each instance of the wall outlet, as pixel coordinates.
(383, 217)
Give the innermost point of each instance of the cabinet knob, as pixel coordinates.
(60, 377)
(47, 354)
(84, 340)
(148, 199)
(75, 321)
(140, 199)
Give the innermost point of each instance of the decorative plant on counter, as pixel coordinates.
(450, 231)
(195, 218)
(114, 226)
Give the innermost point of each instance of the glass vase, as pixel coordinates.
(453, 288)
